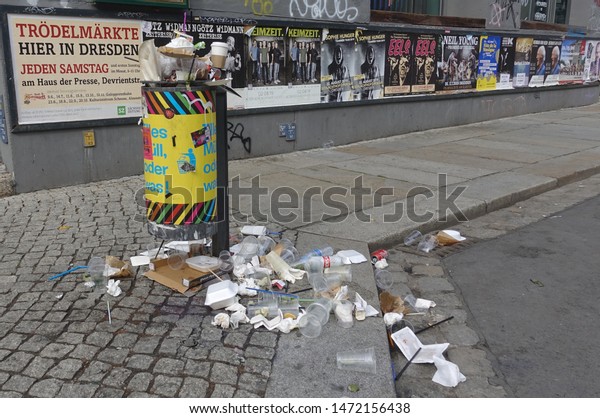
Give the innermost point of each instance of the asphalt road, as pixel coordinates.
(534, 298)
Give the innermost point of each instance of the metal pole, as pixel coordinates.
(221, 240)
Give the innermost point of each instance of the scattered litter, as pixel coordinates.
(392, 303)
(410, 361)
(381, 264)
(392, 318)
(254, 230)
(221, 320)
(366, 309)
(108, 310)
(117, 268)
(418, 304)
(283, 270)
(359, 360)
(64, 273)
(434, 324)
(353, 256)
(113, 288)
(449, 237)
(139, 260)
(379, 255)
(427, 243)
(537, 282)
(447, 373)
(64, 228)
(409, 343)
(221, 295)
(412, 238)
(89, 284)
(186, 246)
(59, 296)
(353, 388)
(203, 263)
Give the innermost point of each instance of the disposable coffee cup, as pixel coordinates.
(361, 360)
(218, 54)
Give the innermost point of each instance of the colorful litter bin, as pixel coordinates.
(179, 129)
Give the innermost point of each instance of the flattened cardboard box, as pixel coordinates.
(164, 274)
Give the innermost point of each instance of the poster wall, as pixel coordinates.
(554, 64)
(427, 55)
(73, 69)
(592, 60)
(304, 56)
(487, 70)
(459, 62)
(337, 57)
(540, 63)
(399, 64)
(572, 59)
(522, 64)
(506, 63)
(369, 65)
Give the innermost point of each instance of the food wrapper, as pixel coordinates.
(117, 268)
(449, 237)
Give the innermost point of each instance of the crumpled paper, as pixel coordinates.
(280, 323)
(381, 264)
(221, 320)
(117, 268)
(447, 373)
(238, 316)
(244, 285)
(283, 270)
(351, 256)
(392, 318)
(113, 287)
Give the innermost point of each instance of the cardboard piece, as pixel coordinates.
(161, 272)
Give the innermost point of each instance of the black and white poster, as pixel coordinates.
(458, 66)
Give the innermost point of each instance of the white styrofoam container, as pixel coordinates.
(221, 295)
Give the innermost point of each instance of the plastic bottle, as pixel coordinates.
(318, 264)
(317, 252)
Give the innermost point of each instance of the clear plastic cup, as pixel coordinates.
(266, 244)
(427, 243)
(383, 279)
(321, 308)
(318, 282)
(225, 261)
(95, 270)
(176, 260)
(309, 325)
(289, 255)
(412, 238)
(343, 312)
(360, 360)
(249, 247)
(345, 272)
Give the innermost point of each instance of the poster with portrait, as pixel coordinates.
(591, 69)
(303, 56)
(522, 63)
(337, 58)
(459, 62)
(572, 61)
(487, 69)
(506, 63)
(163, 31)
(399, 63)
(553, 61)
(540, 63)
(369, 65)
(426, 55)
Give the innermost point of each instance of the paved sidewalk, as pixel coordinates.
(55, 339)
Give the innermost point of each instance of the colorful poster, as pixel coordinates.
(572, 60)
(459, 62)
(487, 70)
(506, 63)
(522, 62)
(369, 64)
(268, 47)
(68, 69)
(233, 36)
(399, 63)
(554, 63)
(337, 57)
(592, 60)
(540, 63)
(427, 54)
(303, 56)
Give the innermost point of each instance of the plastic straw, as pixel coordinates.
(64, 273)
(407, 364)
(273, 293)
(433, 325)
(108, 309)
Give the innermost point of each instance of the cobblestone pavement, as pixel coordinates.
(55, 338)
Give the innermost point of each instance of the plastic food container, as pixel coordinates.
(221, 295)
(203, 263)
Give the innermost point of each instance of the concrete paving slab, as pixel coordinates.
(398, 173)
(292, 160)
(453, 170)
(581, 132)
(587, 121)
(491, 153)
(503, 189)
(524, 137)
(247, 169)
(306, 368)
(489, 142)
(361, 150)
(566, 168)
(460, 159)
